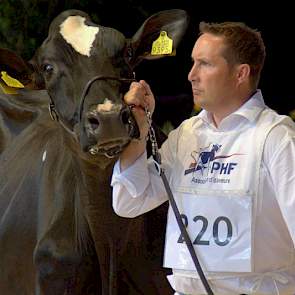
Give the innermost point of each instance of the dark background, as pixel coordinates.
(24, 25)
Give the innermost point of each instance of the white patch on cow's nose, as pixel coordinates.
(78, 35)
(105, 107)
(44, 156)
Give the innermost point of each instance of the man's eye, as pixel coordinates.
(204, 63)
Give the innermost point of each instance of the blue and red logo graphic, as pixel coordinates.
(205, 161)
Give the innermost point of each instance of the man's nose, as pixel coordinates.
(193, 73)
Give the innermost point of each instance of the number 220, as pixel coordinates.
(198, 240)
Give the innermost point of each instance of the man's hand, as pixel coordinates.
(139, 97)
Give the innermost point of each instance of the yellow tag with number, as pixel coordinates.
(11, 82)
(163, 45)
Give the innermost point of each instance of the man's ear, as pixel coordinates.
(171, 24)
(243, 72)
(15, 73)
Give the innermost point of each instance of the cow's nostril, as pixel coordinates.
(94, 123)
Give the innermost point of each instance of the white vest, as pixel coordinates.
(215, 182)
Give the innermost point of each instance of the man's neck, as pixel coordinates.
(220, 114)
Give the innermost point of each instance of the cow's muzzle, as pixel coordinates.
(102, 124)
(109, 131)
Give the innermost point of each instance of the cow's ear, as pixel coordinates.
(15, 73)
(158, 36)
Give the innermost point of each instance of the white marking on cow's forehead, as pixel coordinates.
(106, 106)
(44, 156)
(78, 35)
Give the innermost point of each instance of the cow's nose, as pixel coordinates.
(95, 119)
(112, 123)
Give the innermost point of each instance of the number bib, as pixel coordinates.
(215, 183)
(220, 229)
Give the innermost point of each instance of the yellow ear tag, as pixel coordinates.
(6, 89)
(162, 45)
(11, 82)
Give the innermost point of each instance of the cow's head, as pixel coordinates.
(86, 68)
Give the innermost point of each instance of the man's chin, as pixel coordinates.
(198, 99)
(199, 102)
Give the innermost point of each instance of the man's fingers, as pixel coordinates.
(137, 87)
(138, 111)
(146, 87)
(135, 95)
(140, 95)
(149, 96)
(134, 85)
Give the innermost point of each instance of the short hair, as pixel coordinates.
(243, 45)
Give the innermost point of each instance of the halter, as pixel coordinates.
(54, 114)
(96, 78)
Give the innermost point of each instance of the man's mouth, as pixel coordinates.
(197, 91)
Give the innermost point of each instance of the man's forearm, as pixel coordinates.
(131, 153)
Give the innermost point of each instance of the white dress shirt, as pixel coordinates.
(139, 189)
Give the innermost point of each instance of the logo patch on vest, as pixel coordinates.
(207, 166)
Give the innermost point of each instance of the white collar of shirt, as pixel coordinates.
(248, 112)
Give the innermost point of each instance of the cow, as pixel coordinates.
(58, 232)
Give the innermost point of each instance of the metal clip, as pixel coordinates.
(52, 111)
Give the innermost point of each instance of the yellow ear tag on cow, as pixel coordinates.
(6, 89)
(11, 82)
(162, 45)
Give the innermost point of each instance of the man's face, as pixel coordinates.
(213, 80)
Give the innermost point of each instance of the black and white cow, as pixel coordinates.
(58, 232)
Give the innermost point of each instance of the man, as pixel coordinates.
(230, 168)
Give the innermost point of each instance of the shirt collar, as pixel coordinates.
(249, 110)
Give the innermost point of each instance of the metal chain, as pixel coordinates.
(152, 137)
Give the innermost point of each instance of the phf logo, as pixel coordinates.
(203, 161)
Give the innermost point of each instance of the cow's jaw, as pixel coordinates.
(110, 150)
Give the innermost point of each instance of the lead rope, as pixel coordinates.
(157, 160)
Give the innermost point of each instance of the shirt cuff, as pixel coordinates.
(135, 178)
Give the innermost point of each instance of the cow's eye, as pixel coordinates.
(47, 68)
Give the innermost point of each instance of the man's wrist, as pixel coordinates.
(132, 152)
